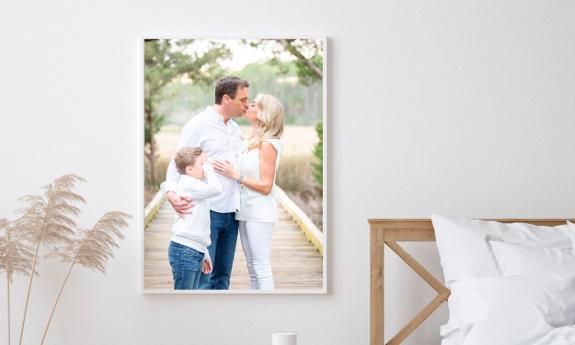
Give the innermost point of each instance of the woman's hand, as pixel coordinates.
(226, 168)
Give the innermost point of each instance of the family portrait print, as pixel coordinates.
(234, 165)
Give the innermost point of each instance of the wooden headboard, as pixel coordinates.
(390, 231)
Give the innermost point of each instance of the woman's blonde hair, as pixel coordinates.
(270, 119)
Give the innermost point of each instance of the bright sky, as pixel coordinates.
(242, 53)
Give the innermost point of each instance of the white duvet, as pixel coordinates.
(536, 309)
(511, 284)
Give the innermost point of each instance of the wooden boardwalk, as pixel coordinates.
(295, 263)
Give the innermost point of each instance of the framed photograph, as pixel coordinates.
(233, 165)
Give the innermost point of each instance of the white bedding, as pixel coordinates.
(463, 245)
(513, 259)
(519, 310)
(511, 284)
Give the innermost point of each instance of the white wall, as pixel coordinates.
(459, 107)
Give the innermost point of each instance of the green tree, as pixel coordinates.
(318, 154)
(310, 68)
(164, 62)
(308, 54)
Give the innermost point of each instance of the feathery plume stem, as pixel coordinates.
(15, 258)
(8, 300)
(91, 249)
(57, 300)
(32, 276)
(8, 275)
(47, 219)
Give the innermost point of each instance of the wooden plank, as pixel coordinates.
(418, 319)
(406, 234)
(422, 229)
(423, 222)
(300, 217)
(377, 246)
(295, 263)
(420, 270)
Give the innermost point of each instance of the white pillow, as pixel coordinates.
(464, 251)
(514, 259)
(520, 310)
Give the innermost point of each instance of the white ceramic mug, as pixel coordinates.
(284, 338)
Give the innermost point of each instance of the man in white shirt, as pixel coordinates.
(215, 131)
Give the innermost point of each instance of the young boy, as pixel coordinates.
(188, 252)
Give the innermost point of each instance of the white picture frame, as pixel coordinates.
(326, 192)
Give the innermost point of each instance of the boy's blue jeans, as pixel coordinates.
(224, 236)
(186, 265)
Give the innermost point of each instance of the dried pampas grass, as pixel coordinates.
(49, 219)
(15, 258)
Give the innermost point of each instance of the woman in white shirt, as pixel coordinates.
(258, 165)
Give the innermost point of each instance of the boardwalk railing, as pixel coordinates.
(153, 207)
(309, 229)
(311, 232)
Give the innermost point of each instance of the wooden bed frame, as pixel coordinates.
(390, 231)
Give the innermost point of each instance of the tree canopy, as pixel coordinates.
(167, 61)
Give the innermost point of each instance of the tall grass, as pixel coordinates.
(295, 177)
(151, 189)
(295, 173)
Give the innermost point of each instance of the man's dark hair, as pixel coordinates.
(228, 86)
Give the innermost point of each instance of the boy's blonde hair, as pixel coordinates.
(270, 119)
(185, 157)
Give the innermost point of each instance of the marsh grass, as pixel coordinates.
(295, 177)
(151, 189)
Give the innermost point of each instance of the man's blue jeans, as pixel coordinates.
(186, 265)
(224, 236)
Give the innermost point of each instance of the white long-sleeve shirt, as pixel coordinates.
(193, 230)
(220, 141)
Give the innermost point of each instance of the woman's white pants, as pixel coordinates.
(256, 240)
